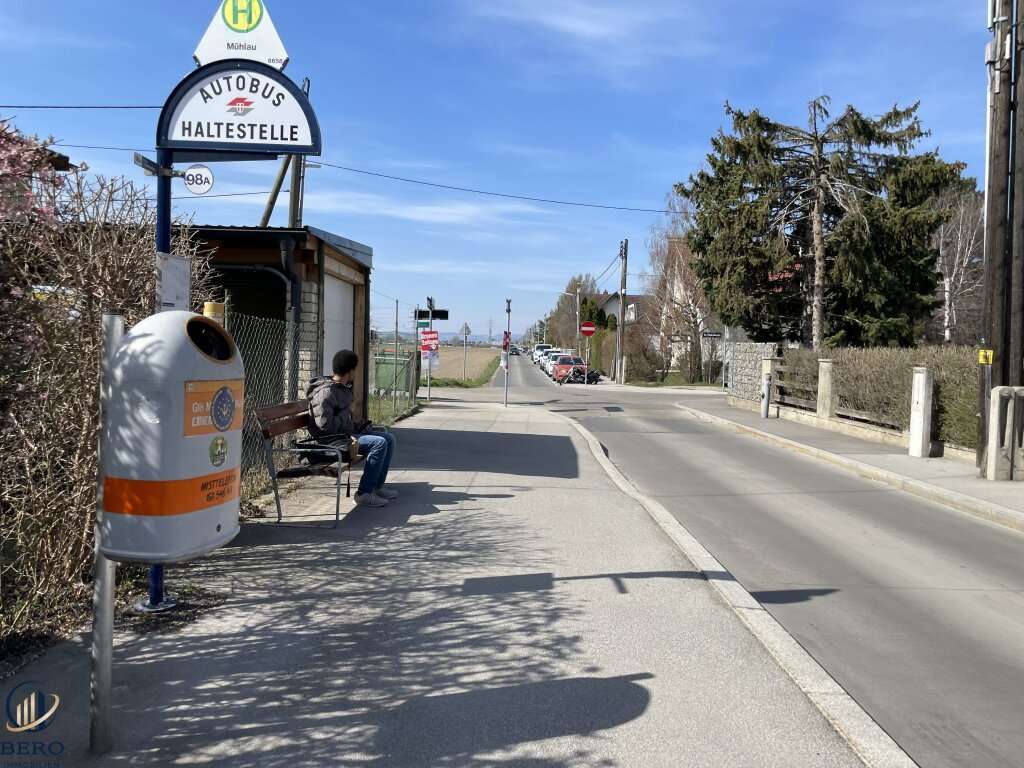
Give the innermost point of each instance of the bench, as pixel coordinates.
(279, 420)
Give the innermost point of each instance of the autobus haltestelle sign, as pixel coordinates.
(240, 105)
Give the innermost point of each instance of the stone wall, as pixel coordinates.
(744, 367)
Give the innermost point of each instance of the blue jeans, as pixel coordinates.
(379, 449)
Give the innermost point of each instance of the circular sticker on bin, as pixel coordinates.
(223, 410)
(218, 451)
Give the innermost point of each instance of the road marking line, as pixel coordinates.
(866, 738)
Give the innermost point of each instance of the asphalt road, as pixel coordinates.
(916, 609)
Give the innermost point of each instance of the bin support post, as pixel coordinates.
(104, 579)
(921, 414)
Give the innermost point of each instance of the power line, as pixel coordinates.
(424, 183)
(474, 191)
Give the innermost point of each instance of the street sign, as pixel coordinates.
(506, 340)
(464, 330)
(242, 29)
(239, 106)
(198, 179)
(439, 314)
(985, 357)
(422, 323)
(631, 313)
(588, 328)
(711, 334)
(429, 335)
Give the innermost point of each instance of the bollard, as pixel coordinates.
(766, 394)
(826, 406)
(999, 458)
(921, 414)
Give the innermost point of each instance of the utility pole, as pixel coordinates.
(999, 54)
(505, 344)
(490, 331)
(578, 319)
(619, 335)
(1015, 244)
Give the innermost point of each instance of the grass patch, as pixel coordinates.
(482, 380)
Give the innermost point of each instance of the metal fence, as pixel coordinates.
(393, 383)
(262, 343)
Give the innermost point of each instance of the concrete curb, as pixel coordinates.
(994, 513)
(867, 739)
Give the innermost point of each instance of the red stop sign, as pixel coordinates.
(587, 328)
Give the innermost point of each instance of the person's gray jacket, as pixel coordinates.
(330, 408)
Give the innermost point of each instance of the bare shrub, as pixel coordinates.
(84, 246)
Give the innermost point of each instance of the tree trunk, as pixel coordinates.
(818, 300)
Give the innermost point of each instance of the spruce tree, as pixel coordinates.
(772, 197)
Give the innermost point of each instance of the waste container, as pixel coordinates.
(171, 441)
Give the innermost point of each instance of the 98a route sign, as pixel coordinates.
(198, 179)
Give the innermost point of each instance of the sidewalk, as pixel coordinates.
(949, 481)
(514, 608)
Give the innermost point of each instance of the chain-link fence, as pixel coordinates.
(262, 343)
(393, 383)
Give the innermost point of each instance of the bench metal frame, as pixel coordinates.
(278, 420)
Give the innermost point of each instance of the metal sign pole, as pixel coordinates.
(104, 578)
(394, 390)
(507, 343)
(165, 160)
(430, 354)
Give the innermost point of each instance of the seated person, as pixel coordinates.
(331, 422)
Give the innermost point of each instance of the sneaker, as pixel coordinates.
(386, 493)
(370, 500)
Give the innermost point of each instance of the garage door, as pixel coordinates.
(339, 318)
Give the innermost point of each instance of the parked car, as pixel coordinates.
(564, 364)
(537, 350)
(513, 350)
(546, 358)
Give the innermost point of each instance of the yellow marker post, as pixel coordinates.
(985, 357)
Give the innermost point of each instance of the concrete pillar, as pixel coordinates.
(999, 457)
(921, 413)
(826, 402)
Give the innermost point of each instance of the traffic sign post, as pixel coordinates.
(505, 343)
(588, 329)
(465, 347)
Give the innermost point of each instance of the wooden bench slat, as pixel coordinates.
(272, 412)
(285, 425)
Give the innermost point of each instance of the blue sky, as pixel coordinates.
(592, 100)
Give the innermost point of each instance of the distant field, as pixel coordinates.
(451, 362)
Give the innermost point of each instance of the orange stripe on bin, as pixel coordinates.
(162, 498)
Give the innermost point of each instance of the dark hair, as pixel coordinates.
(344, 361)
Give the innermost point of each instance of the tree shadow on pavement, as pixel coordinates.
(335, 650)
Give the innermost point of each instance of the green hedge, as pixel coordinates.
(878, 380)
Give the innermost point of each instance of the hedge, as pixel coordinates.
(878, 380)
